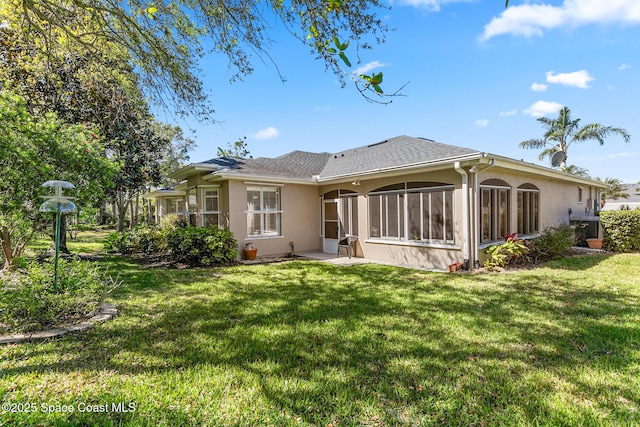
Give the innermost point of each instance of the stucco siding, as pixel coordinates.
(299, 218)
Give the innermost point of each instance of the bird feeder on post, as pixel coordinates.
(58, 204)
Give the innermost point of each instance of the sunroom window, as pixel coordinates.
(413, 211)
(494, 210)
(528, 209)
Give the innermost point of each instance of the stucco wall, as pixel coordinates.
(556, 197)
(299, 221)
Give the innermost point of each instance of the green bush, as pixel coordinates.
(621, 230)
(202, 246)
(28, 301)
(552, 243)
(510, 252)
(122, 242)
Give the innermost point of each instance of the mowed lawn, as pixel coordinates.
(307, 343)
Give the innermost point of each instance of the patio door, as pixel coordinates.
(339, 218)
(330, 225)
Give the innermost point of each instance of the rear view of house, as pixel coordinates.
(409, 200)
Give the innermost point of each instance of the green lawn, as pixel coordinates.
(307, 343)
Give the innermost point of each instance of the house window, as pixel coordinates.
(579, 194)
(263, 211)
(175, 206)
(414, 211)
(528, 208)
(494, 210)
(210, 207)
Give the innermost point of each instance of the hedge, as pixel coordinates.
(621, 230)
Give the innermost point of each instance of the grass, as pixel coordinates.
(307, 343)
(87, 242)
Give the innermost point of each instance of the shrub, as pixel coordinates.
(28, 302)
(621, 230)
(510, 252)
(202, 246)
(552, 243)
(146, 238)
(122, 242)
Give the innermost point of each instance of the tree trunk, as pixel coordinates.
(122, 203)
(5, 238)
(63, 234)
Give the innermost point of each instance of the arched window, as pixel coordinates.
(412, 211)
(528, 209)
(494, 210)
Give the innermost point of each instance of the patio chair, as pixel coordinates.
(348, 243)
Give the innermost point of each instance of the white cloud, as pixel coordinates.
(509, 113)
(579, 79)
(623, 155)
(543, 108)
(432, 5)
(482, 123)
(267, 133)
(624, 67)
(534, 19)
(368, 67)
(539, 87)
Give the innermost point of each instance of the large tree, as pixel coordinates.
(101, 89)
(564, 131)
(166, 39)
(35, 149)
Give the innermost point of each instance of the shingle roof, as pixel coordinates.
(395, 152)
(297, 164)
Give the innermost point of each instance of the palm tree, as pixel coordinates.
(563, 131)
(617, 190)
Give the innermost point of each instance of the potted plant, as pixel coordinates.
(250, 252)
(594, 243)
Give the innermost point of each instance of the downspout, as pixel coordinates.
(465, 213)
(476, 210)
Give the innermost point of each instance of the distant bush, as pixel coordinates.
(202, 246)
(189, 245)
(621, 230)
(28, 301)
(552, 243)
(120, 241)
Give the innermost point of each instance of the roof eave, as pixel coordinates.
(431, 164)
(522, 166)
(225, 174)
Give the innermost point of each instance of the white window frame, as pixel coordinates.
(526, 215)
(264, 212)
(494, 216)
(403, 214)
(204, 197)
(170, 203)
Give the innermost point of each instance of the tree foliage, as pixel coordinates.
(615, 190)
(98, 88)
(564, 131)
(236, 149)
(34, 149)
(165, 40)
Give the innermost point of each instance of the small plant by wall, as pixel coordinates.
(621, 230)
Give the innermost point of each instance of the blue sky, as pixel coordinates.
(478, 76)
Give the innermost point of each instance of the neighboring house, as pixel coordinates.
(633, 202)
(409, 200)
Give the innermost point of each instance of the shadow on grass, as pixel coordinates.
(370, 344)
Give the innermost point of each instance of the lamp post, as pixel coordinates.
(58, 204)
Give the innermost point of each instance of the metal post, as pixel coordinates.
(55, 267)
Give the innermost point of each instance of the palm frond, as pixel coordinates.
(534, 144)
